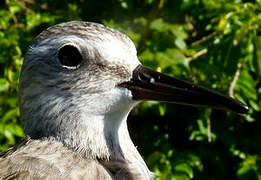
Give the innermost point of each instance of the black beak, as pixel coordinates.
(147, 84)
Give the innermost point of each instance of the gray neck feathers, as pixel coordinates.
(103, 137)
(79, 127)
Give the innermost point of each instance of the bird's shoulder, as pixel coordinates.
(47, 159)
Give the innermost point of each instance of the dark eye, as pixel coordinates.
(69, 56)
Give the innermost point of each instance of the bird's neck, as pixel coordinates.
(94, 135)
(97, 136)
(105, 138)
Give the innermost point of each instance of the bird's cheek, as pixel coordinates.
(119, 98)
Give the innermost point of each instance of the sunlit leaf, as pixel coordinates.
(4, 84)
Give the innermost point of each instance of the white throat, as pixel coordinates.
(106, 137)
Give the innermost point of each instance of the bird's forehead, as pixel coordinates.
(109, 44)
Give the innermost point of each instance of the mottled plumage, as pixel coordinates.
(50, 159)
(76, 117)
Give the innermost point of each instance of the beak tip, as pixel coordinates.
(245, 109)
(240, 108)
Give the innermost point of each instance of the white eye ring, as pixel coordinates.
(69, 56)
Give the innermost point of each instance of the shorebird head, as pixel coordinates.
(81, 78)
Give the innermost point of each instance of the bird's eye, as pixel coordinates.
(69, 56)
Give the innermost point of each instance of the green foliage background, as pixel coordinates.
(216, 44)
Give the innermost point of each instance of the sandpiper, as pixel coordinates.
(78, 83)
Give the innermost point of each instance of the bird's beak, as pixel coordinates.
(147, 84)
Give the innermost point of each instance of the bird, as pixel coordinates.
(78, 83)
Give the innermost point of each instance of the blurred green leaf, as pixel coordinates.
(183, 168)
(180, 43)
(4, 85)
